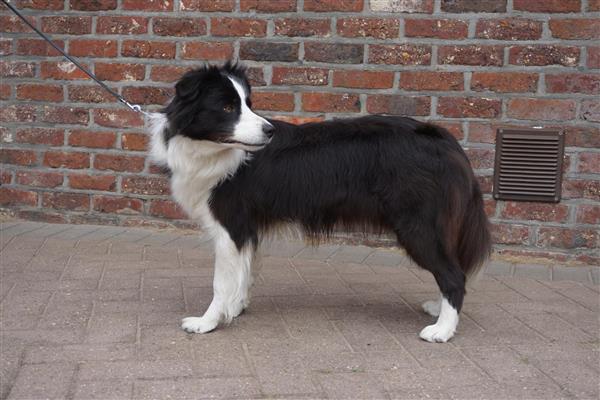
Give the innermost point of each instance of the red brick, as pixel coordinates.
(547, 6)
(300, 76)
(179, 26)
(41, 4)
(541, 109)
(59, 159)
(145, 185)
(38, 47)
(464, 6)
(582, 136)
(581, 189)
(573, 83)
(66, 115)
(593, 57)
(67, 25)
(148, 5)
(18, 157)
(148, 49)
(268, 6)
(567, 238)
(45, 136)
(436, 28)
(405, 6)
(575, 28)
(14, 197)
(302, 27)
(398, 105)
(544, 55)
(120, 72)
(93, 48)
(167, 73)
(403, 54)
(66, 201)
(42, 216)
(333, 5)
(166, 209)
(480, 158)
(377, 28)
(504, 82)
(5, 92)
(471, 55)
(593, 5)
(590, 110)
(106, 183)
(298, 120)
(589, 163)
(17, 113)
(147, 95)
(340, 53)
(47, 93)
(134, 141)
(121, 163)
(5, 47)
(489, 205)
(207, 50)
(535, 211)
(268, 51)
(455, 128)
(93, 5)
(62, 70)
(118, 118)
(16, 69)
(275, 101)
(117, 205)
(330, 102)
(115, 25)
(509, 29)
(363, 79)
(485, 183)
(39, 179)
(469, 107)
(425, 80)
(13, 24)
(92, 139)
(510, 234)
(256, 76)
(5, 177)
(482, 132)
(226, 26)
(588, 214)
(90, 94)
(207, 5)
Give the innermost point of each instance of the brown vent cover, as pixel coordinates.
(528, 164)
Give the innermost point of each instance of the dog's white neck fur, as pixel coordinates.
(197, 167)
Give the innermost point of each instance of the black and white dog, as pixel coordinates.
(241, 175)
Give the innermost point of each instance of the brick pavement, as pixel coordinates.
(93, 312)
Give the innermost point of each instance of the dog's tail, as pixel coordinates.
(473, 242)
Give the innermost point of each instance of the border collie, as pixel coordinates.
(241, 175)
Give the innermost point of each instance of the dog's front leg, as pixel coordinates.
(231, 285)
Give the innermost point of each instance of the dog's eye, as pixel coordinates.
(228, 108)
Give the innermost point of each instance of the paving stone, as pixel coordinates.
(351, 254)
(79, 352)
(533, 271)
(498, 268)
(12, 349)
(103, 390)
(279, 248)
(318, 253)
(386, 258)
(48, 381)
(577, 274)
(112, 328)
(352, 385)
(197, 388)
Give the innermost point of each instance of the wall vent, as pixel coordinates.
(528, 164)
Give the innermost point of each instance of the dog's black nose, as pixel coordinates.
(268, 130)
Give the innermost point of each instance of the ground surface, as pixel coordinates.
(93, 313)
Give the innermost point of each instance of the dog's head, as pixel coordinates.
(213, 104)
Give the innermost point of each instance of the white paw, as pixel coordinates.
(437, 333)
(198, 324)
(432, 307)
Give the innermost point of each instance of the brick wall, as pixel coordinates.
(71, 153)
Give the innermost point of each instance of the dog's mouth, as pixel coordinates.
(246, 146)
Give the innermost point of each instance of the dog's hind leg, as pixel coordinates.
(428, 252)
(231, 284)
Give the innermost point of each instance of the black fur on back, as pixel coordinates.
(390, 173)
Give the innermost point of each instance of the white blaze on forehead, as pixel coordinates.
(240, 90)
(249, 127)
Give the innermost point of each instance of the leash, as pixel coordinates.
(133, 107)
